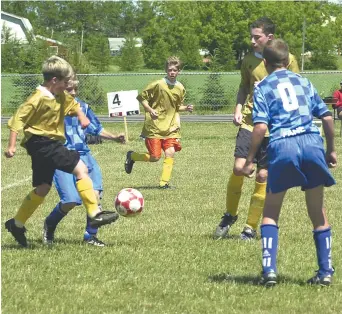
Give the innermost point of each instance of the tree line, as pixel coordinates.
(170, 28)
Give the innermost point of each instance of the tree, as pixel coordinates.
(97, 52)
(131, 56)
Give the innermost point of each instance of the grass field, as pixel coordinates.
(164, 261)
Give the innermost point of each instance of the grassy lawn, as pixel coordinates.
(164, 261)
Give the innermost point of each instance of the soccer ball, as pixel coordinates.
(129, 202)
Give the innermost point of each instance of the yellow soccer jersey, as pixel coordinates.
(43, 114)
(165, 98)
(252, 72)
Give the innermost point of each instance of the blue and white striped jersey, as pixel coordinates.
(75, 135)
(287, 103)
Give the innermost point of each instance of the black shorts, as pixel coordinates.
(339, 110)
(243, 143)
(47, 155)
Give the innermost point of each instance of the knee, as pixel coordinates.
(237, 170)
(261, 176)
(67, 207)
(43, 189)
(81, 170)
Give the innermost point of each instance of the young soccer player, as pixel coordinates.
(286, 103)
(41, 117)
(65, 183)
(162, 100)
(252, 72)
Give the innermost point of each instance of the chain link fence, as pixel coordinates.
(209, 92)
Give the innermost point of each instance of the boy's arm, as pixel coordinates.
(147, 108)
(84, 121)
(120, 138)
(258, 135)
(328, 127)
(11, 144)
(188, 108)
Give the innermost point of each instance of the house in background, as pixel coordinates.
(19, 27)
(115, 44)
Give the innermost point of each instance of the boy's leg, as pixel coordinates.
(69, 198)
(258, 197)
(269, 237)
(321, 234)
(84, 187)
(170, 146)
(233, 195)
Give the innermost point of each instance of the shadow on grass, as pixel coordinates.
(252, 280)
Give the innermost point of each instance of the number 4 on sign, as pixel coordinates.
(123, 103)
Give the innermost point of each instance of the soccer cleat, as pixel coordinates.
(248, 234)
(48, 234)
(103, 218)
(268, 279)
(166, 187)
(322, 280)
(129, 162)
(17, 233)
(92, 240)
(224, 226)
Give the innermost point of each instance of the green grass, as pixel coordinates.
(164, 261)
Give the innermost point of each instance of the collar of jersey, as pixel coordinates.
(45, 92)
(258, 55)
(169, 82)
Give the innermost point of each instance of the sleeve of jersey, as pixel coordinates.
(95, 127)
(71, 106)
(244, 75)
(147, 93)
(319, 107)
(260, 108)
(21, 117)
(293, 65)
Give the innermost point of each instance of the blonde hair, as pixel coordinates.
(74, 81)
(56, 67)
(173, 61)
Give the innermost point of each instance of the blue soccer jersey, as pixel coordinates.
(75, 135)
(287, 103)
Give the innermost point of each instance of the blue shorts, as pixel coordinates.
(65, 183)
(297, 161)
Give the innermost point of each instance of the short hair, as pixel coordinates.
(276, 53)
(74, 81)
(56, 67)
(266, 24)
(173, 61)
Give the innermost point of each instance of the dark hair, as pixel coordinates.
(276, 53)
(265, 24)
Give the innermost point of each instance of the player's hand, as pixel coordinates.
(84, 122)
(154, 114)
(10, 152)
(237, 120)
(190, 108)
(331, 159)
(248, 170)
(121, 139)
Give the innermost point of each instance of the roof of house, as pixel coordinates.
(116, 43)
(20, 26)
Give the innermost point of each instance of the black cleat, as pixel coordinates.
(166, 187)
(17, 233)
(268, 279)
(103, 218)
(224, 226)
(48, 234)
(129, 162)
(94, 241)
(248, 234)
(321, 280)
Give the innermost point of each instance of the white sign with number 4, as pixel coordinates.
(123, 103)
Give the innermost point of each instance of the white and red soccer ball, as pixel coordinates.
(129, 202)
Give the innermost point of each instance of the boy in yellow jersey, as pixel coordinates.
(252, 72)
(162, 100)
(41, 117)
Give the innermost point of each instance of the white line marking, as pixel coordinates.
(15, 184)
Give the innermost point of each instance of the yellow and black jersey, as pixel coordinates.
(165, 98)
(43, 114)
(253, 70)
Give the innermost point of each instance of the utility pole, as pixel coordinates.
(303, 44)
(82, 41)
